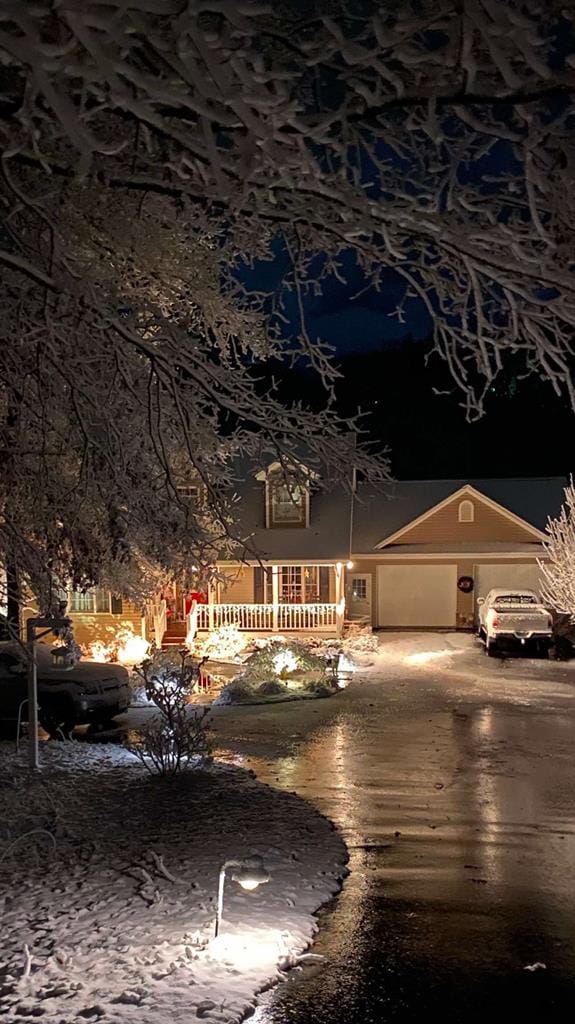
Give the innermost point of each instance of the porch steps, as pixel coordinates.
(175, 636)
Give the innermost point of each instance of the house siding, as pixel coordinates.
(443, 526)
(238, 585)
(465, 609)
(90, 627)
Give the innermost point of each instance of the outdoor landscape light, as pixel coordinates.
(62, 657)
(249, 873)
(285, 662)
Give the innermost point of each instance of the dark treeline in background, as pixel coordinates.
(526, 430)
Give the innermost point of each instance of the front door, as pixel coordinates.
(358, 593)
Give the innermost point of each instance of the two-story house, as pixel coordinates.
(409, 554)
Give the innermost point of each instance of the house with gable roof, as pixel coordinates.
(412, 554)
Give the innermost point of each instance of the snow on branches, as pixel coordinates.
(151, 150)
(558, 571)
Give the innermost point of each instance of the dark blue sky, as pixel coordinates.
(347, 315)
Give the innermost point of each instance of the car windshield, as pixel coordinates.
(515, 599)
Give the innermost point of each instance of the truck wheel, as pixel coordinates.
(490, 647)
(58, 719)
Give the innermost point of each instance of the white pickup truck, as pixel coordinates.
(508, 616)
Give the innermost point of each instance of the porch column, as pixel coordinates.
(275, 595)
(211, 605)
(339, 598)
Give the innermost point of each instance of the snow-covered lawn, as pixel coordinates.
(112, 919)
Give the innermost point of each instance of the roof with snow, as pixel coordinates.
(381, 511)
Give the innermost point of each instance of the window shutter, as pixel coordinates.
(324, 584)
(116, 605)
(258, 584)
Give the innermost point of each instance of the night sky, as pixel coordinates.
(410, 404)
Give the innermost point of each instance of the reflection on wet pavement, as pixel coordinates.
(457, 805)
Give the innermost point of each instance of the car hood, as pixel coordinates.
(86, 674)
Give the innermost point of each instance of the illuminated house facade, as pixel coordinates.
(404, 555)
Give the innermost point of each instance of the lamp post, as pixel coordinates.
(249, 873)
(48, 624)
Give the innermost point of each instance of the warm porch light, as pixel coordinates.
(349, 565)
(249, 873)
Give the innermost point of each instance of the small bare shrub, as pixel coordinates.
(177, 737)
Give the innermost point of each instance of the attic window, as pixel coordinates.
(287, 502)
(192, 493)
(466, 512)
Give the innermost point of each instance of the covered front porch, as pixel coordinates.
(282, 598)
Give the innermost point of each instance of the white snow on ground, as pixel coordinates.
(112, 921)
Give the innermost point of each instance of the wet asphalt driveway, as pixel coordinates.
(452, 779)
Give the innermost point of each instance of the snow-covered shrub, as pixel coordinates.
(176, 738)
(279, 660)
(238, 691)
(360, 643)
(320, 687)
(222, 644)
(272, 688)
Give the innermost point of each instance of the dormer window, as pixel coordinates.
(192, 493)
(287, 494)
(466, 512)
(287, 499)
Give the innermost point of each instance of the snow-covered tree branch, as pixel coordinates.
(558, 571)
(151, 151)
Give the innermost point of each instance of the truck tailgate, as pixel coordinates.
(520, 620)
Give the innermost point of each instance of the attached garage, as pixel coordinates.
(417, 595)
(511, 575)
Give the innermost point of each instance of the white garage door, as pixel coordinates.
(488, 576)
(416, 595)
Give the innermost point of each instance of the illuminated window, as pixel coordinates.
(94, 601)
(359, 588)
(291, 584)
(287, 503)
(466, 512)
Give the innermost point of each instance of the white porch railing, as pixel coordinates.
(192, 622)
(268, 617)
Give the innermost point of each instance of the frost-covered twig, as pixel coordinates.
(26, 835)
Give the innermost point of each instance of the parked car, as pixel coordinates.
(509, 616)
(89, 692)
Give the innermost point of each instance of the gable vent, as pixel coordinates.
(466, 512)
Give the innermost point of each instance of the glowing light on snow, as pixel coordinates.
(284, 662)
(100, 652)
(424, 657)
(249, 949)
(133, 651)
(344, 665)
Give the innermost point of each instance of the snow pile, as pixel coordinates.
(111, 920)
